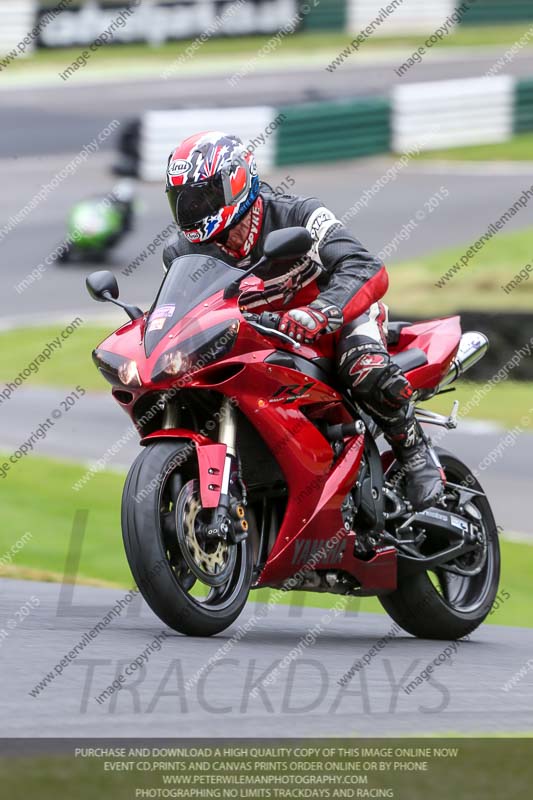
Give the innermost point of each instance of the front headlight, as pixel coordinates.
(173, 362)
(196, 352)
(128, 373)
(118, 370)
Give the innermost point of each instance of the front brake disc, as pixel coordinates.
(211, 560)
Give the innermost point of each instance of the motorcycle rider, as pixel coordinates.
(223, 210)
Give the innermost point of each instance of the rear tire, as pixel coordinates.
(151, 503)
(420, 609)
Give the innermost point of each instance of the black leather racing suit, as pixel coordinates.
(339, 273)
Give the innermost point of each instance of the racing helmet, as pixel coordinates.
(212, 182)
(124, 191)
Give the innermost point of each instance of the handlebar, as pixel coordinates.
(267, 322)
(267, 319)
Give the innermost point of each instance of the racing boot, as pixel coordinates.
(423, 475)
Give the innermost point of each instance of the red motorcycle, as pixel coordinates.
(259, 470)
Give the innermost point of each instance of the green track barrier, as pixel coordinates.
(523, 111)
(494, 12)
(331, 131)
(330, 15)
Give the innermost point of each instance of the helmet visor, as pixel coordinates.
(193, 202)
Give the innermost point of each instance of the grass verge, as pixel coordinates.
(67, 367)
(49, 519)
(507, 403)
(455, 767)
(478, 285)
(519, 148)
(37, 498)
(235, 49)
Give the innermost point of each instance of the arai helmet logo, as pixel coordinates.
(193, 236)
(179, 167)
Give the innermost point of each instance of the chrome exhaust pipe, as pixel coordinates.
(472, 347)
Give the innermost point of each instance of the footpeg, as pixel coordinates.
(432, 418)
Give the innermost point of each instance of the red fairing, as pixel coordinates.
(210, 461)
(439, 339)
(288, 404)
(178, 433)
(211, 468)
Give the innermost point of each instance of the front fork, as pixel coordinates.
(227, 434)
(229, 517)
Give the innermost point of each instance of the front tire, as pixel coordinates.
(168, 559)
(445, 605)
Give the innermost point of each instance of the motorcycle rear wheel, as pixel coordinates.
(441, 604)
(195, 586)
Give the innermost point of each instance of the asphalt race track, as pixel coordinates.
(41, 131)
(174, 695)
(477, 197)
(67, 114)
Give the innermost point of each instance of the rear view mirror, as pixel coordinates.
(103, 287)
(102, 283)
(288, 243)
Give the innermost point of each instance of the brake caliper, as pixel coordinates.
(230, 523)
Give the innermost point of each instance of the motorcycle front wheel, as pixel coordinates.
(195, 585)
(452, 601)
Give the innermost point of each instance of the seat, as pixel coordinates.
(410, 359)
(406, 360)
(394, 330)
(328, 366)
(325, 370)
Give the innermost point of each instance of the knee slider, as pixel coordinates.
(394, 387)
(364, 367)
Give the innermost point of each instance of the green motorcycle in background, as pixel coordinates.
(98, 224)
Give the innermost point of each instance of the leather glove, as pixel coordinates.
(307, 323)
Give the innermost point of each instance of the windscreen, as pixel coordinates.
(189, 281)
